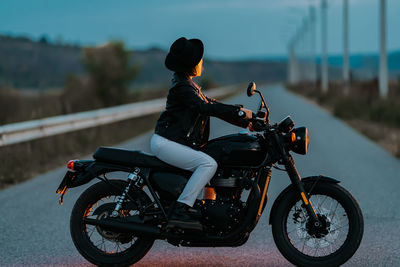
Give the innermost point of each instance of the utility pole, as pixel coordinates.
(313, 34)
(291, 67)
(383, 68)
(303, 50)
(346, 67)
(296, 52)
(294, 75)
(324, 58)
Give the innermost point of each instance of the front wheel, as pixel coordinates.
(101, 246)
(333, 242)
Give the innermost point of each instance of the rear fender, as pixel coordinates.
(93, 170)
(308, 182)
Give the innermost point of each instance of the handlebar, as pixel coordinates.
(259, 123)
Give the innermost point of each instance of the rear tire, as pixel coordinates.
(343, 222)
(81, 236)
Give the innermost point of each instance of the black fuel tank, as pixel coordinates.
(236, 150)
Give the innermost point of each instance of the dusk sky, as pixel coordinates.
(230, 29)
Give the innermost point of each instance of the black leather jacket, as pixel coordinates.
(186, 119)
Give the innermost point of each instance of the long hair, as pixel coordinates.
(191, 72)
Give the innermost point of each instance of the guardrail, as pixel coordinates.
(34, 129)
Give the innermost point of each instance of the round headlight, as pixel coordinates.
(300, 144)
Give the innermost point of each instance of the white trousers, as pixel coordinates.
(202, 165)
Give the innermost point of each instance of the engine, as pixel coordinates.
(223, 209)
(221, 217)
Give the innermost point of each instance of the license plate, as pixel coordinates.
(64, 185)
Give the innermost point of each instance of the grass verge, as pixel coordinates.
(362, 108)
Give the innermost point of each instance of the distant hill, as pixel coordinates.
(365, 66)
(25, 63)
(153, 71)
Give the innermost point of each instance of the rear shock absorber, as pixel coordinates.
(132, 177)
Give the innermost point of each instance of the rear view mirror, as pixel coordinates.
(251, 88)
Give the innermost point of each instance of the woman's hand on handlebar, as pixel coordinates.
(248, 112)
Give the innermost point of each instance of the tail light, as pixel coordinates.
(71, 164)
(78, 165)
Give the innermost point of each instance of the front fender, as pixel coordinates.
(306, 181)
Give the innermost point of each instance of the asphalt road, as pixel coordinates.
(34, 229)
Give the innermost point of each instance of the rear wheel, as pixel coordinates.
(333, 242)
(103, 247)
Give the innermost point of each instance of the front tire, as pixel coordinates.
(331, 245)
(110, 249)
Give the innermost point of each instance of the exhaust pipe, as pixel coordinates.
(120, 225)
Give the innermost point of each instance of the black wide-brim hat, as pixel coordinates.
(184, 54)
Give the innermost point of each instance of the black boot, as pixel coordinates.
(181, 217)
(196, 211)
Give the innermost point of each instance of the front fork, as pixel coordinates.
(296, 181)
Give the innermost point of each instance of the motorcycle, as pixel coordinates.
(315, 221)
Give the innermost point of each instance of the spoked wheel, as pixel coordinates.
(101, 246)
(333, 241)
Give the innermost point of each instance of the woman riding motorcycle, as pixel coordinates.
(184, 127)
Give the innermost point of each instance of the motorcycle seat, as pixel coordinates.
(132, 158)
